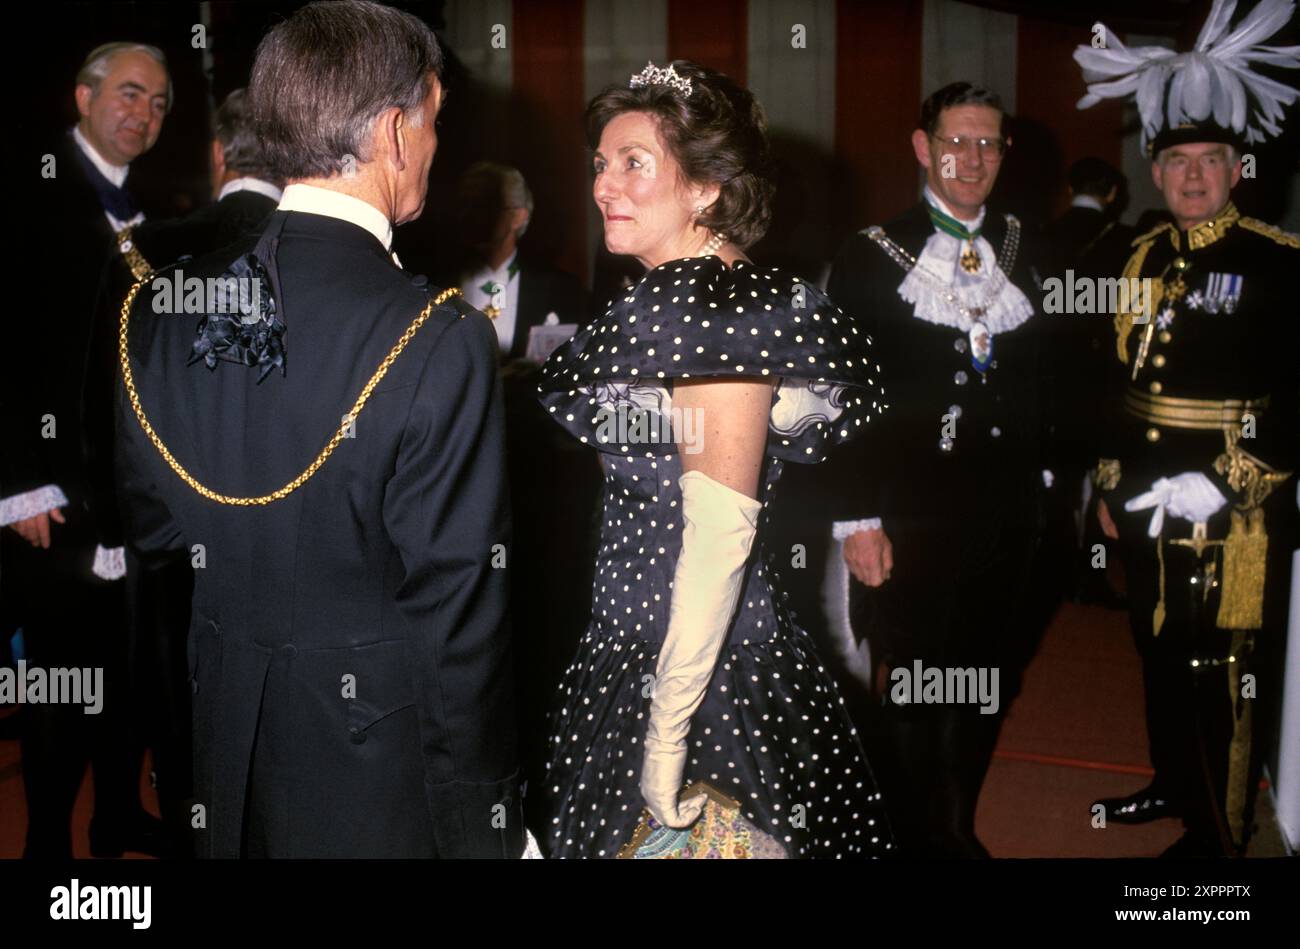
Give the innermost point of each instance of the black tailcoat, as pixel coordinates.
(349, 650)
(69, 617)
(960, 518)
(69, 238)
(158, 599)
(207, 229)
(960, 513)
(160, 243)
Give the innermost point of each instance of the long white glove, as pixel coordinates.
(1190, 495)
(717, 534)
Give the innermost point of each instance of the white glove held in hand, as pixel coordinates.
(1190, 495)
(718, 527)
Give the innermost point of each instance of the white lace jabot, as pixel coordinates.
(938, 271)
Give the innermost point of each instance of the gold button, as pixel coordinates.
(1156, 387)
(1153, 434)
(1158, 361)
(1166, 336)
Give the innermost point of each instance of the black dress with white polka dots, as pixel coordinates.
(772, 731)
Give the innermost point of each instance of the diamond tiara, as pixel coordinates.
(653, 75)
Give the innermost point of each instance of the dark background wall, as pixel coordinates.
(841, 110)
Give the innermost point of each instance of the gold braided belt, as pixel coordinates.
(128, 380)
(1209, 414)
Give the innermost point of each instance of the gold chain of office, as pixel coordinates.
(129, 381)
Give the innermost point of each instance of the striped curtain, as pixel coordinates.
(841, 82)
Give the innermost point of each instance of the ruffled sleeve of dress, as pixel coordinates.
(611, 384)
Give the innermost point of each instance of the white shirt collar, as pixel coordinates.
(256, 185)
(313, 200)
(938, 202)
(1086, 201)
(114, 173)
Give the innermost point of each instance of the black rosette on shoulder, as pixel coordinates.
(243, 323)
(697, 318)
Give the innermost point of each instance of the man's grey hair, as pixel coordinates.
(322, 77)
(488, 188)
(232, 126)
(99, 61)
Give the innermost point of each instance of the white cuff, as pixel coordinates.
(110, 563)
(843, 530)
(19, 507)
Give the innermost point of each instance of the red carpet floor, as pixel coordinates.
(1075, 734)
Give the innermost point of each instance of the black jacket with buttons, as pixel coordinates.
(904, 467)
(349, 649)
(1232, 335)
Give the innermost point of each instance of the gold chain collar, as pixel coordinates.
(128, 380)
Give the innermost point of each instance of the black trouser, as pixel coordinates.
(1191, 711)
(957, 599)
(72, 620)
(159, 607)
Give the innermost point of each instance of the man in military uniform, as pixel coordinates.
(1190, 483)
(937, 512)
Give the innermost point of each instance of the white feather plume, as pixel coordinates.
(1215, 79)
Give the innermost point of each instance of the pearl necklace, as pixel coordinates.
(713, 246)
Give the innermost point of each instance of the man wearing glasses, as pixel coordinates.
(936, 513)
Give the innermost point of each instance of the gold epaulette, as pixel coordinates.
(1271, 231)
(131, 256)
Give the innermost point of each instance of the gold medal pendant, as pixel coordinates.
(496, 302)
(970, 261)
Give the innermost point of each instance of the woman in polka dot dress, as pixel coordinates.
(696, 387)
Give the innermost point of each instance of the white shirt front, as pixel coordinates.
(114, 173)
(1086, 201)
(310, 199)
(506, 299)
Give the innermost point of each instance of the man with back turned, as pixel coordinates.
(334, 465)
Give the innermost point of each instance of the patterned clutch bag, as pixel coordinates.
(720, 833)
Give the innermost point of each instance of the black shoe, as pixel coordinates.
(1193, 845)
(1146, 805)
(141, 833)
